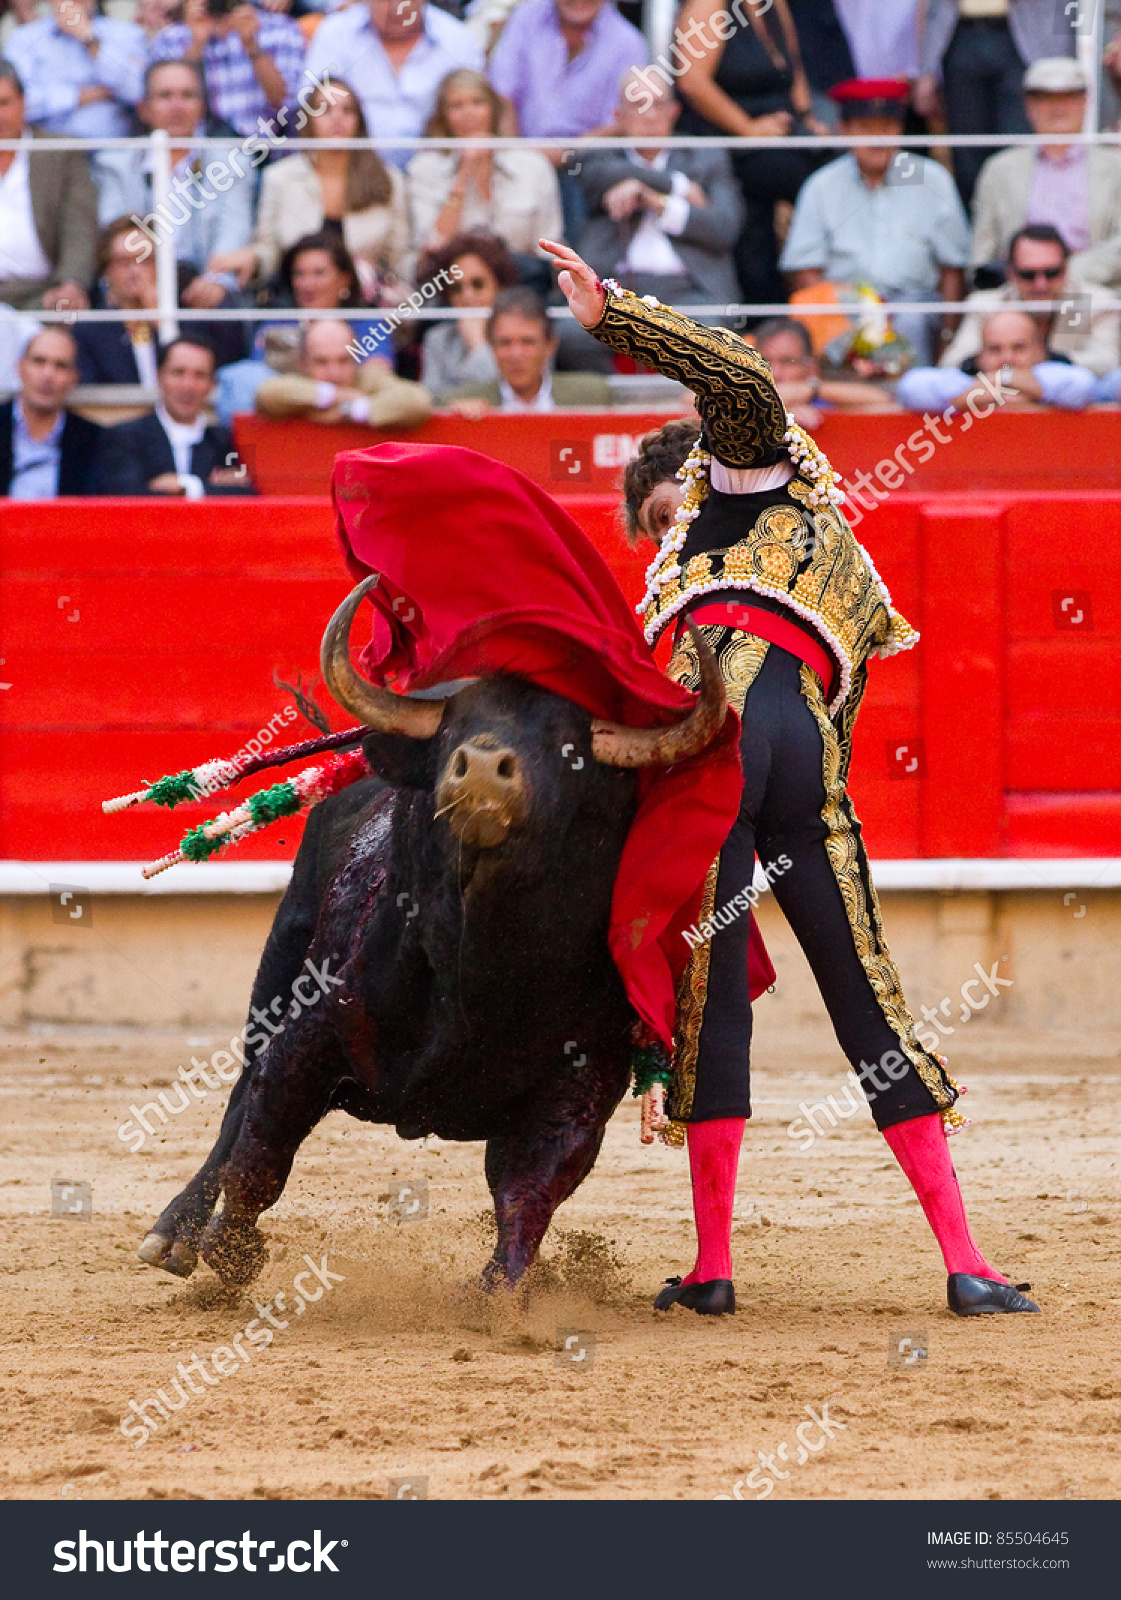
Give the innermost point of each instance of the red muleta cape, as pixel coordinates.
(483, 573)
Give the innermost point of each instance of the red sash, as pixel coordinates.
(787, 634)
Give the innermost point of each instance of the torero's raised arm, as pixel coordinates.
(745, 419)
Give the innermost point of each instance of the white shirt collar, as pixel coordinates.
(659, 163)
(190, 432)
(182, 437)
(749, 480)
(542, 400)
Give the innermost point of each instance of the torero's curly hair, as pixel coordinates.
(660, 456)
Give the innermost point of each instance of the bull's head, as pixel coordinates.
(483, 787)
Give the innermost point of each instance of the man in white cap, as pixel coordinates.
(1075, 188)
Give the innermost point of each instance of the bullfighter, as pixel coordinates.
(756, 551)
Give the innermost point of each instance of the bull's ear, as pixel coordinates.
(403, 762)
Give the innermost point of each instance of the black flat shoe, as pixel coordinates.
(716, 1298)
(968, 1296)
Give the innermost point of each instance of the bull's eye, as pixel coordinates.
(507, 767)
(459, 766)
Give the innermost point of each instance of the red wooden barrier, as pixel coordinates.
(138, 639)
(577, 452)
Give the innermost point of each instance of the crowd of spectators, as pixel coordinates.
(260, 222)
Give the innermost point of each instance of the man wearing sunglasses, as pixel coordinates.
(1038, 268)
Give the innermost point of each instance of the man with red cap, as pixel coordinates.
(756, 552)
(881, 216)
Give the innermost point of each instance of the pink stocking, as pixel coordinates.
(921, 1150)
(714, 1154)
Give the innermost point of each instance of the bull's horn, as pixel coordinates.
(618, 746)
(377, 708)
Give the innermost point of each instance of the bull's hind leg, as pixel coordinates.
(533, 1171)
(287, 1097)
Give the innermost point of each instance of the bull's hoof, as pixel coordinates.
(236, 1251)
(171, 1254)
(495, 1276)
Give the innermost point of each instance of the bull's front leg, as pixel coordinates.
(286, 1098)
(533, 1171)
(174, 1238)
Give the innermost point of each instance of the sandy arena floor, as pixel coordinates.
(399, 1372)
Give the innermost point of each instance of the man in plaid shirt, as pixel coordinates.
(252, 59)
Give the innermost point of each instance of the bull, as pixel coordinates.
(459, 902)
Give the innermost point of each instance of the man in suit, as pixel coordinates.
(661, 222)
(127, 352)
(1074, 329)
(122, 352)
(524, 344)
(174, 451)
(46, 450)
(48, 214)
(1075, 188)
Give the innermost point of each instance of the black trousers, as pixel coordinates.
(983, 88)
(765, 176)
(786, 818)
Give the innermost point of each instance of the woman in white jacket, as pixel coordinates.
(352, 191)
(510, 193)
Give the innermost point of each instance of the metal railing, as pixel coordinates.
(157, 146)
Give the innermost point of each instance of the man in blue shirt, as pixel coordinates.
(1015, 371)
(881, 216)
(82, 72)
(45, 450)
(394, 56)
(200, 221)
(561, 64)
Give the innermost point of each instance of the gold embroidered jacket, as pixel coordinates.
(807, 559)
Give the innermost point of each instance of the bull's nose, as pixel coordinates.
(473, 766)
(483, 792)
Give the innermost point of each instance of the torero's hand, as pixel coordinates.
(578, 283)
(654, 1118)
